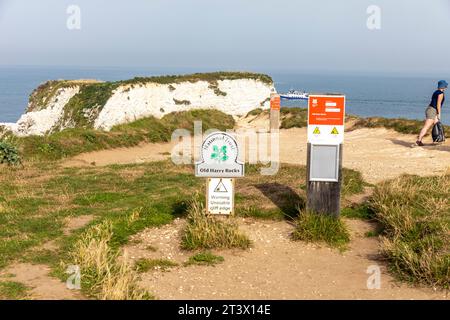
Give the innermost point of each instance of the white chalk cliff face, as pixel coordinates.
(42, 121)
(240, 97)
(131, 102)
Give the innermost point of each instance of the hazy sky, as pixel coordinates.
(313, 35)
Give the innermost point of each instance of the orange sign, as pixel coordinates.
(326, 110)
(275, 101)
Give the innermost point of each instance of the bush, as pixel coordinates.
(9, 154)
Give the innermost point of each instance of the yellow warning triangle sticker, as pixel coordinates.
(334, 131)
(316, 131)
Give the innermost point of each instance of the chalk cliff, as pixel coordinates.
(57, 105)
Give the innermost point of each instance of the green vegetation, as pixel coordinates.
(282, 195)
(214, 85)
(313, 227)
(84, 107)
(204, 258)
(181, 102)
(36, 200)
(205, 232)
(255, 112)
(145, 265)
(9, 153)
(371, 234)
(359, 211)
(41, 95)
(209, 77)
(103, 274)
(400, 125)
(415, 214)
(11, 290)
(353, 182)
(70, 142)
(293, 117)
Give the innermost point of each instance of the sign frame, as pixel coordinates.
(327, 126)
(206, 168)
(313, 163)
(233, 185)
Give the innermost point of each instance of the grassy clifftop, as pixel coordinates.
(298, 118)
(70, 142)
(94, 93)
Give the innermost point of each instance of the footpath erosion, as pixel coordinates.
(378, 153)
(274, 267)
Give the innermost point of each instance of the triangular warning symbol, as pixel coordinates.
(334, 131)
(220, 187)
(316, 131)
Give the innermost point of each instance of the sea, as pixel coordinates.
(366, 95)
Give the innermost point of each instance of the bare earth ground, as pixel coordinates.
(379, 154)
(37, 276)
(274, 268)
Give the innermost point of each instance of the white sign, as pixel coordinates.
(326, 115)
(220, 196)
(325, 134)
(219, 157)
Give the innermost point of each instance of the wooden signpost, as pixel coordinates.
(275, 102)
(326, 114)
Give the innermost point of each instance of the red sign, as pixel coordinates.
(326, 110)
(275, 101)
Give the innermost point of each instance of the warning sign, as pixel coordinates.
(220, 196)
(220, 187)
(326, 119)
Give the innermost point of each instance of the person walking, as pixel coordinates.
(433, 111)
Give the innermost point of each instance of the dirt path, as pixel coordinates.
(378, 154)
(37, 278)
(274, 268)
(41, 285)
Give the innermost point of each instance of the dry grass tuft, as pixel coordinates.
(104, 274)
(316, 227)
(206, 232)
(415, 214)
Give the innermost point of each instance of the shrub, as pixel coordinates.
(9, 154)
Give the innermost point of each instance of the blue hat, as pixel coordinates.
(442, 84)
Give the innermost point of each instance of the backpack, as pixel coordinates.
(438, 133)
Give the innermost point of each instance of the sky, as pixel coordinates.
(282, 35)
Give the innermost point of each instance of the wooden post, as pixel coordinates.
(323, 196)
(275, 101)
